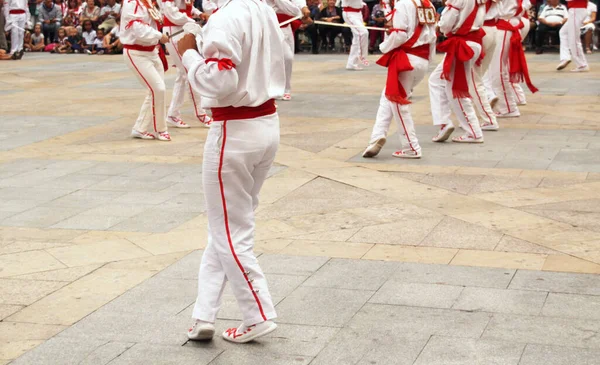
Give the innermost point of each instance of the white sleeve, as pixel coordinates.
(404, 25)
(287, 7)
(133, 23)
(208, 5)
(207, 78)
(171, 12)
(450, 16)
(300, 3)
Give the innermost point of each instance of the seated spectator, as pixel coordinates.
(587, 30)
(50, 17)
(377, 20)
(90, 12)
(109, 15)
(35, 42)
(72, 17)
(62, 4)
(98, 44)
(88, 35)
(551, 18)
(75, 42)
(61, 46)
(333, 14)
(311, 29)
(112, 43)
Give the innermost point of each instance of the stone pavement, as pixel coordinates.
(473, 255)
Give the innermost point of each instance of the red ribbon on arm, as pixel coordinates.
(518, 70)
(132, 22)
(222, 63)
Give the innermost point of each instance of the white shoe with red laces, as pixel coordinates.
(287, 97)
(142, 135)
(354, 68)
(444, 133)
(514, 114)
(201, 331)
(489, 126)
(176, 122)
(467, 138)
(164, 136)
(205, 120)
(407, 154)
(244, 334)
(364, 61)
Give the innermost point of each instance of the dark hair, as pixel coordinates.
(86, 22)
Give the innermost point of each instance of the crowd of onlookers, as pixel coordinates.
(91, 26)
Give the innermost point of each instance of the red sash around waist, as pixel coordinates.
(396, 62)
(516, 57)
(244, 112)
(458, 52)
(137, 47)
(575, 4)
(16, 11)
(351, 10)
(490, 23)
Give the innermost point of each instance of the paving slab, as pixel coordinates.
(556, 282)
(453, 275)
(559, 355)
(446, 351)
(501, 301)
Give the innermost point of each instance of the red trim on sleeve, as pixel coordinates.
(223, 63)
(452, 7)
(131, 22)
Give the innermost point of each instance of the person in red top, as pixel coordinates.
(570, 39)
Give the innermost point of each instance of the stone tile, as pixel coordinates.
(41, 217)
(85, 198)
(430, 255)
(558, 355)
(69, 351)
(407, 232)
(443, 350)
(501, 301)
(329, 249)
(18, 205)
(70, 274)
(27, 262)
(556, 282)
(291, 265)
(187, 267)
(185, 203)
(454, 275)
(80, 255)
(244, 358)
(507, 260)
(89, 222)
(14, 331)
(271, 246)
(118, 209)
(454, 233)
(566, 263)
(23, 246)
(572, 306)
(543, 330)
(352, 274)
(321, 306)
(8, 309)
(176, 355)
(13, 349)
(512, 244)
(118, 183)
(147, 221)
(25, 292)
(499, 183)
(417, 294)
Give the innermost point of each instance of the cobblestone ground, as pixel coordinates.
(485, 254)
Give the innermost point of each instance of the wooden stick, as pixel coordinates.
(347, 25)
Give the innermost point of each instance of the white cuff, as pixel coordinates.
(191, 57)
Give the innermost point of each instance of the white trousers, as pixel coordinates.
(149, 70)
(387, 109)
(237, 157)
(182, 86)
(288, 56)
(360, 39)
(499, 72)
(477, 88)
(442, 101)
(17, 31)
(570, 38)
(517, 89)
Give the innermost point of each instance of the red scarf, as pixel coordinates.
(516, 57)
(458, 52)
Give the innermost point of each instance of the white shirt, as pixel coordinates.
(456, 13)
(111, 9)
(554, 15)
(137, 27)
(286, 7)
(492, 13)
(174, 11)
(116, 31)
(247, 33)
(507, 9)
(98, 43)
(356, 4)
(89, 37)
(208, 6)
(592, 8)
(14, 5)
(405, 17)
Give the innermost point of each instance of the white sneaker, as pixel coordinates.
(142, 135)
(488, 126)
(205, 120)
(364, 61)
(354, 68)
(563, 64)
(467, 138)
(245, 334)
(407, 154)
(374, 148)
(176, 122)
(286, 97)
(514, 114)
(522, 103)
(164, 136)
(201, 331)
(444, 133)
(581, 69)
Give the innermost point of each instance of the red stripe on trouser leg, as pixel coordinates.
(501, 76)
(404, 127)
(226, 219)
(466, 118)
(149, 87)
(516, 93)
(479, 97)
(186, 71)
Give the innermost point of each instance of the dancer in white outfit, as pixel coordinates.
(461, 22)
(140, 38)
(407, 52)
(16, 15)
(239, 72)
(352, 14)
(176, 14)
(570, 37)
(520, 97)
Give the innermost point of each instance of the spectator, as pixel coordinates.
(112, 43)
(50, 17)
(74, 41)
(90, 11)
(587, 31)
(35, 42)
(377, 20)
(98, 44)
(88, 35)
(71, 18)
(551, 18)
(311, 29)
(33, 10)
(109, 15)
(62, 47)
(333, 14)
(62, 5)
(3, 42)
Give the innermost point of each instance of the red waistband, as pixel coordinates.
(244, 112)
(16, 11)
(490, 23)
(577, 4)
(351, 10)
(506, 25)
(137, 47)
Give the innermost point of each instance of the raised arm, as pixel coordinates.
(172, 12)
(133, 22)
(403, 26)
